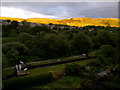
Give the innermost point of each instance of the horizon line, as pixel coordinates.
(60, 18)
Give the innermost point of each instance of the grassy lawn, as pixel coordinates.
(10, 71)
(57, 68)
(39, 74)
(63, 82)
(61, 59)
(33, 60)
(7, 73)
(111, 83)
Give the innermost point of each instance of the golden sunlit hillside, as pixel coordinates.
(80, 22)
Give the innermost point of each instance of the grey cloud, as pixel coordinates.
(69, 9)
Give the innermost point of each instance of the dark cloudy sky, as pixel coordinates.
(60, 9)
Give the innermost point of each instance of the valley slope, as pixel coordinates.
(80, 22)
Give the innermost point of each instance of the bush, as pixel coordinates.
(115, 70)
(88, 84)
(23, 37)
(73, 69)
(4, 61)
(106, 54)
(90, 72)
(14, 52)
(95, 63)
(8, 40)
(106, 51)
(27, 81)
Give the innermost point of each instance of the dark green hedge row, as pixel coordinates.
(28, 81)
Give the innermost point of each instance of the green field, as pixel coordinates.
(39, 74)
(63, 82)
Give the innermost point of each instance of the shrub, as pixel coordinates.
(53, 75)
(87, 84)
(8, 40)
(117, 70)
(106, 54)
(4, 61)
(95, 63)
(73, 69)
(15, 52)
(106, 51)
(27, 81)
(24, 37)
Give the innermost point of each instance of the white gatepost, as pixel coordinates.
(58, 60)
(16, 67)
(20, 67)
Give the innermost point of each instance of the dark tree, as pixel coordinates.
(15, 52)
(14, 24)
(81, 43)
